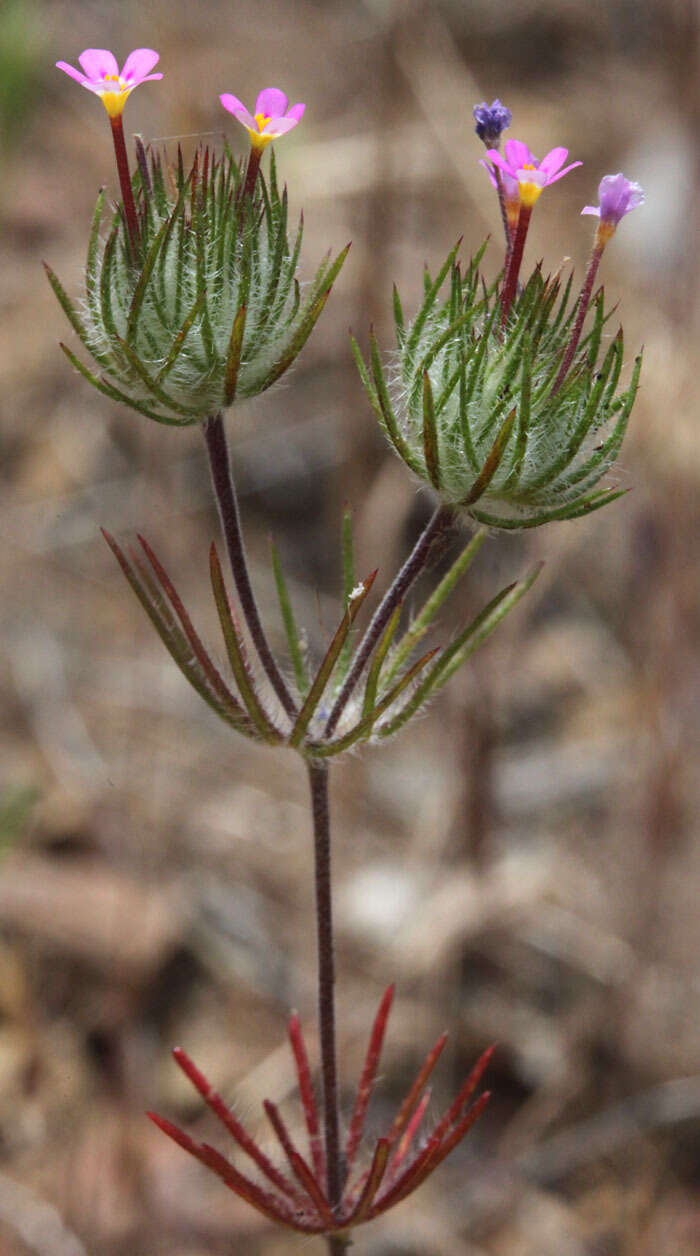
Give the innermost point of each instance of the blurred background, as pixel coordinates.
(520, 862)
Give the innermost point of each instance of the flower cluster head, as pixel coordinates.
(297, 1196)
(472, 409)
(618, 196)
(531, 176)
(101, 75)
(491, 121)
(213, 311)
(272, 116)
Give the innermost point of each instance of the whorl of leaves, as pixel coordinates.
(212, 312)
(474, 412)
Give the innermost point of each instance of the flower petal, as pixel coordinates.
(500, 161)
(98, 62)
(272, 102)
(138, 64)
(553, 160)
(591, 209)
(489, 171)
(296, 112)
(517, 154)
(74, 74)
(238, 109)
(280, 126)
(566, 170)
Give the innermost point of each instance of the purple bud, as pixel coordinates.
(491, 120)
(617, 196)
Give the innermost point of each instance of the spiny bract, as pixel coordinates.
(474, 411)
(212, 312)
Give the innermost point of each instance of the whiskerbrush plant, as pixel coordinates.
(498, 396)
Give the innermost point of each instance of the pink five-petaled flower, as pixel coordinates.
(297, 1196)
(101, 75)
(531, 175)
(618, 196)
(271, 118)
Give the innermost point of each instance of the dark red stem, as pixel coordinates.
(320, 810)
(582, 308)
(125, 184)
(510, 281)
(252, 171)
(438, 523)
(225, 492)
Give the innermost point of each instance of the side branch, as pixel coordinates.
(416, 561)
(224, 489)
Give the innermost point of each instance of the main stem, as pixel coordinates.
(318, 781)
(224, 489)
(440, 520)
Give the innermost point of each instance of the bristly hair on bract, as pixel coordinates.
(472, 409)
(212, 312)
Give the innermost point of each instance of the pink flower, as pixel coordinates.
(531, 175)
(101, 75)
(271, 117)
(618, 196)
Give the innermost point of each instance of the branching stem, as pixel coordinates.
(225, 492)
(416, 561)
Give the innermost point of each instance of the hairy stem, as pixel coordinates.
(224, 489)
(438, 523)
(510, 282)
(318, 781)
(125, 184)
(252, 171)
(583, 303)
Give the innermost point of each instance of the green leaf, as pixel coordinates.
(430, 296)
(323, 674)
(387, 417)
(420, 625)
(143, 281)
(214, 678)
(492, 463)
(398, 318)
(376, 665)
(574, 510)
(72, 316)
(290, 627)
(153, 387)
(236, 653)
(115, 394)
(174, 640)
(430, 438)
(459, 651)
(179, 341)
(363, 729)
(233, 360)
